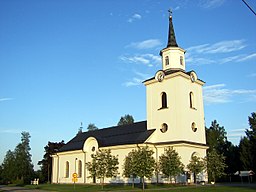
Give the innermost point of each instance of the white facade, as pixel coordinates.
(175, 114)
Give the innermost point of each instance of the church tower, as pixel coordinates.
(174, 100)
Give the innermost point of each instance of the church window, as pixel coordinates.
(181, 60)
(166, 60)
(191, 100)
(194, 127)
(93, 149)
(164, 128)
(164, 100)
(67, 170)
(79, 168)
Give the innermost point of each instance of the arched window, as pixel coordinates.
(67, 170)
(166, 60)
(191, 100)
(193, 127)
(164, 100)
(79, 168)
(181, 60)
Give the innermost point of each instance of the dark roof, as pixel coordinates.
(135, 133)
(171, 35)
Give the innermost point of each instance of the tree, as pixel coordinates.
(92, 127)
(103, 165)
(196, 165)
(251, 135)
(216, 137)
(215, 165)
(170, 163)
(46, 162)
(143, 163)
(24, 166)
(244, 153)
(126, 120)
(129, 168)
(8, 167)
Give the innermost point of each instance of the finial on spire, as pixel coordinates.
(171, 35)
(170, 12)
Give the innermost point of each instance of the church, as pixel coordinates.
(175, 118)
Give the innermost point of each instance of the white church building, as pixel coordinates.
(175, 118)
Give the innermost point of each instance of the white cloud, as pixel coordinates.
(134, 17)
(218, 53)
(6, 99)
(247, 57)
(11, 131)
(176, 8)
(219, 47)
(210, 3)
(146, 59)
(215, 94)
(147, 44)
(252, 75)
(137, 80)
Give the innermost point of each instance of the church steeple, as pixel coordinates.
(171, 35)
(173, 57)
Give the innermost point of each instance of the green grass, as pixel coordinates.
(149, 188)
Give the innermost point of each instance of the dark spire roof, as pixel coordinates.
(171, 35)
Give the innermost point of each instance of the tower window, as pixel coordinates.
(181, 60)
(193, 126)
(166, 60)
(164, 128)
(164, 100)
(191, 100)
(67, 170)
(79, 168)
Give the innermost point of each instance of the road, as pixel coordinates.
(19, 189)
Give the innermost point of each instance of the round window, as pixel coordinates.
(164, 128)
(93, 148)
(193, 126)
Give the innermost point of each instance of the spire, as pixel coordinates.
(171, 35)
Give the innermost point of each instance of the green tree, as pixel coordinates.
(144, 163)
(215, 165)
(129, 168)
(196, 165)
(46, 162)
(216, 137)
(103, 165)
(24, 166)
(8, 167)
(245, 154)
(170, 163)
(126, 120)
(92, 127)
(251, 135)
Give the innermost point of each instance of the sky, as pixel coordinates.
(64, 62)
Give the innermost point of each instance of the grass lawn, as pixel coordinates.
(149, 188)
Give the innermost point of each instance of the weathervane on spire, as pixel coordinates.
(170, 12)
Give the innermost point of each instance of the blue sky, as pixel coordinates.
(64, 62)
